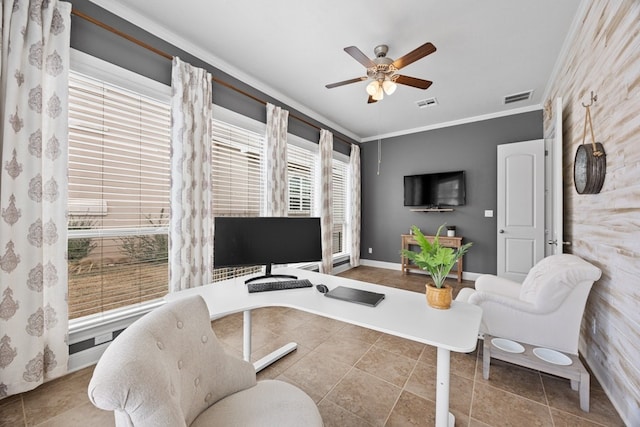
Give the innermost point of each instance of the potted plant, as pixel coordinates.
(438, 261)
(451, 230)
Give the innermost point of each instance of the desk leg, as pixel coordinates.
(443, 417)
(246, 346)
(246, 335)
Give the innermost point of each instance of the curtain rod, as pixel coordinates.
(169, 57)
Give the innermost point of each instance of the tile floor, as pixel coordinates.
(358, 377)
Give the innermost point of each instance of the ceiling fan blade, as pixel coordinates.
(359, 56)
(345, 82)
(414, 55)
(371, 100)
(414, 81)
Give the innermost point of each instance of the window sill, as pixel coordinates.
(88, 326)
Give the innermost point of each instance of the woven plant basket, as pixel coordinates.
(439, 298)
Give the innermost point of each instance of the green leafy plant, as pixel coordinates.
(433, 257)
(80, 248)
(148, 248)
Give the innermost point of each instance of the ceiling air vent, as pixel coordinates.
(522, 96)
(427, 103)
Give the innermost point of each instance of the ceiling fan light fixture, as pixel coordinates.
(372, 88)
(379, 94)
(389, 86)
(381, 71)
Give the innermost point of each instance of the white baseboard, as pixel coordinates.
(379, 264)
(91, 327)
(342, 268)
(397, 266)
(87, 357)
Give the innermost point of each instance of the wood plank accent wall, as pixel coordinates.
(604, 57)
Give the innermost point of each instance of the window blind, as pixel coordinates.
(339, 170)
(118, 196)
(236, 171)
(301, 173)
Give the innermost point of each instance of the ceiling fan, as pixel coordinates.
(382, 71)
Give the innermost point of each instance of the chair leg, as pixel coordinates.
(486, 358)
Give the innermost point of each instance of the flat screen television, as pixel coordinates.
(253, 241)
(435, 189)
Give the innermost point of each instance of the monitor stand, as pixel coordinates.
(268, 275)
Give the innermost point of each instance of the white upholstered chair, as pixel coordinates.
(169, 369)
(543, 311)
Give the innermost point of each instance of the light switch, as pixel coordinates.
(488, 214)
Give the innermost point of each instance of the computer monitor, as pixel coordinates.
(252, 241)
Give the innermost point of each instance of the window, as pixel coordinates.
(236, 170)
(118, 196)
(301, 163)
(236, 178)
(301, 172)
(119, 185)
(340, 171)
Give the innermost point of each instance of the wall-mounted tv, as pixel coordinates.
(435, 189)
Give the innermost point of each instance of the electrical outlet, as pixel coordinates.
(101, 339)
(488, 213)
(370, 250)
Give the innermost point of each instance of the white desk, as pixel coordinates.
(402, 313)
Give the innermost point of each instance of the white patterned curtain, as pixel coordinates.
(191, 229)
(33, 193)
(276, 161)
(354, 205)
(326, 199)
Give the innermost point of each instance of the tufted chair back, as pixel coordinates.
(167, 368)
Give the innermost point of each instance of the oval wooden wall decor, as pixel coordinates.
(589, 169)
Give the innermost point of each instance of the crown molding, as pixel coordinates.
(455, 122)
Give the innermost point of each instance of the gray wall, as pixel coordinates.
(98, 42)
(469, 147)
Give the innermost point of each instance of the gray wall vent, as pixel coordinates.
(522, 96)
(430, 102)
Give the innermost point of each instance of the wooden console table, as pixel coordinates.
(449, 242)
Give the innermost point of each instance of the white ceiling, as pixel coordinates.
(290, 49)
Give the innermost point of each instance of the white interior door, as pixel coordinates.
(521, 211)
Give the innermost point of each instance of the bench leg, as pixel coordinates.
(486, 358)
(584, 391)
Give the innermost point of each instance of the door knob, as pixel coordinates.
(501, 231)
(555, 242)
